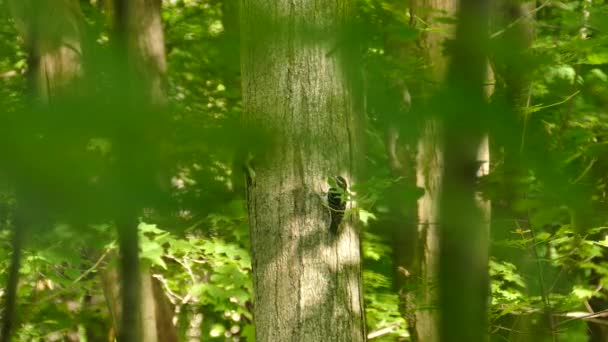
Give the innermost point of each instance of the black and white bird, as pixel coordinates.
(336, 200)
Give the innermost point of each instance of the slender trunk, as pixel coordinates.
(307, 281)
(10, 302)
(146, 49)
(393, 106)
(463, 262)
(129, 316)
(52, 32)
(140, 37)
(129, 328)
(429, 168)
(157, 312)
(111, 292)
(419, 252)
(149, 314)
(230, 61)
(514, 32)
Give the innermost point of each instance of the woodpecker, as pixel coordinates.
(336, 200)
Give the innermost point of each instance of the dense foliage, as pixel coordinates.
(548, 257)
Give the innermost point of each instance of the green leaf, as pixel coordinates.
(597, 58)
(152, 251)
(365, 216)
(582, 293)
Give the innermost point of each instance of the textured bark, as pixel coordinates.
(307, 283)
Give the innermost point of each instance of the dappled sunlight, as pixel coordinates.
(383, 170)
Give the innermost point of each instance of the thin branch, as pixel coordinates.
(77, 280)
(9, 74)
(585, 171)
(500, 327)
(172, 295)
(560, 102)
(541, 278)
(583, 316)
(383, 331)
(184, 264)
(516, 21)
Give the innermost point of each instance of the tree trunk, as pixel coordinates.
(52, 33)
(393, 104)
(429, 168)
(429, 171)
(146, 48)
(139, 26)
(513, 28)
(147, 56)
(307, 281)
(463, 262)
(12, 283)
(424, 325)
(157, 312)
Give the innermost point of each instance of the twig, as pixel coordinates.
(500, 327)
(583, 316)
(9, 74)
(560, 102)
(172, 295)
(185, 265)
(585, 171)
(541, 278)
(383, 331)
(77, 280)
(516, 21)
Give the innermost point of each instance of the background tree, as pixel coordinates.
(429, 166)
(464, 236)
(140, 25)
(54, 65)
(547, 183)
